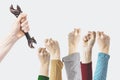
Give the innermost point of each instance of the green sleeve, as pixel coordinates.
(40, 77)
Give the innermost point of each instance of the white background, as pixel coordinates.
(56, 18)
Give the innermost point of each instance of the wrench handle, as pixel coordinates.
(27, 35)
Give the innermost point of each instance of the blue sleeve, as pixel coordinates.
(101, 67)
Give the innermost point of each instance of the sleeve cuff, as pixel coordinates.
(86, 63)
(41, 77)
(103, 55)
(72, 57)
(57, 63)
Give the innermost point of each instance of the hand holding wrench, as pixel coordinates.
(17, 12)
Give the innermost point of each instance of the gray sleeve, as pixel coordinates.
(72, 65)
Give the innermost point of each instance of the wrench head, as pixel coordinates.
(31, 41)
(14, 11)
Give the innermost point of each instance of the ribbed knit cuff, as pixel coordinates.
(103, 55)
(41, 77)
(73, 57)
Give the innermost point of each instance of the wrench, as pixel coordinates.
(17, 12)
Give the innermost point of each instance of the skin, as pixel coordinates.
(44, 58)
(73, 41)
(88, 43)
(53, 48)
(103, 41)
(20, 25)
(56, 65)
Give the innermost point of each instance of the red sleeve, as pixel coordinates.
(86, 70)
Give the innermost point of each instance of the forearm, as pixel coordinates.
(44, 69)
(72, 66)
(6, 45)
(101, 67)
(56, 70)
(86, 56)
(86, 69)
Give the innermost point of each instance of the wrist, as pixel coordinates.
(12, 38)
(87, 56)
(86, 60)
(73, 50)
(55, 57)
(44, 72)
(104, 50)
(44, 69)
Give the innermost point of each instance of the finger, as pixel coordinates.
(88, 37)
(44, 49)
(89, 33)
(48, 43)
(102, 35)
(23, 19)
(21, 16)
(27, 30)
(46, 53)
(108, 37)
(39, 50)
(24, 23)
(47, 46)
(56, 42)
(46, 40)
(53, 42)
(78, 30)
(42, 52)
(26, 27)
(98, 34)
(70, 34)
(102, 32)
(85, 38)
(93, 35)
(50, 39)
